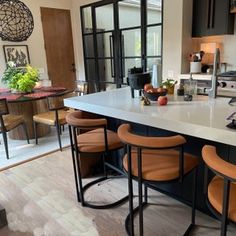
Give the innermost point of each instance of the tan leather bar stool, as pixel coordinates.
(154, 160)
(96, 140)
(221, 191)
(9, 122)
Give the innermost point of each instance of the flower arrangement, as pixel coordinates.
(20, 79)
(169, 84)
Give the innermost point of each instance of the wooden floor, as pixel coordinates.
(40, 200)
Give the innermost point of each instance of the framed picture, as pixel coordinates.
(19, 54)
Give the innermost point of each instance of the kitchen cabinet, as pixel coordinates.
(212, 17)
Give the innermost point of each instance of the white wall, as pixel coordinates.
(35, 42)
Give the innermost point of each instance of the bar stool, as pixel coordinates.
(154, 160)
(96, 140)
(221, 191)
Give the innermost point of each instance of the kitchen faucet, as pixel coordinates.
(212, 91)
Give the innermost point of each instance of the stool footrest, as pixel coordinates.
(105, 206)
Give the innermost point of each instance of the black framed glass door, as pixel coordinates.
(119, 35)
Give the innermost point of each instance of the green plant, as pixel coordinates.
(169, 83)
(20, 79)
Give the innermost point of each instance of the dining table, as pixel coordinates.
(27, 105)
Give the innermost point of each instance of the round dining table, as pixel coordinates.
(27, 105)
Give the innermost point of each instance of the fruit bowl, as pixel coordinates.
(154, 95)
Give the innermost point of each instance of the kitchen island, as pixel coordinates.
(202, 121)
(201, 118)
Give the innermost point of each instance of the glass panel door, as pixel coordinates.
(119, 35)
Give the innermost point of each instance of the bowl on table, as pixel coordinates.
(153, 96)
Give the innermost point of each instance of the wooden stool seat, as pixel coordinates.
(93, 141)
(12, 121)
(160, 165)
(49, 118)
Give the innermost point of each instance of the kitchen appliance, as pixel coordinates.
(226, 85)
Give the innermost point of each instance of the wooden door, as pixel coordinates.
(58, 40)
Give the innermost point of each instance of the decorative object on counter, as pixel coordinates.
(162, 100)
(136, 81)
(16, 21)
(180, 90)
(145, 101)
(232, 118)
(20, 79)
(169, 84)
(188, 97)
(155, 93)
(19, 54)
(156, 75)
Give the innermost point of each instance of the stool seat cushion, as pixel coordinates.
(12, 121)
(160, 165)
(49, 118)
(215, 196)
(94, 141)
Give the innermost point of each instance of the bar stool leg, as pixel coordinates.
(4, 135)
(35, 133)
(224, 220)
(26, 132)
(74, 163)
(140, 192)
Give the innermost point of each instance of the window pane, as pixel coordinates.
(106, 70)
(104, 17)
(129, 64)
(154, 11)
(132, 43)
(87, 17)
(129, 13)
(154, 41)
(105, 45)
(88, 46)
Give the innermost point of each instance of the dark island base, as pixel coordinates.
(181, 192)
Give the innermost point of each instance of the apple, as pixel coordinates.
(162, 100)
(147, 87)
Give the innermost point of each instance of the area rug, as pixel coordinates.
(20, 151)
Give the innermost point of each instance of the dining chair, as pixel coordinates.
(9, 122)
(56, 116)
(91, 137)
(154, 160)
(220, 192)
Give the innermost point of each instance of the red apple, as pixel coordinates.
(162, 100)
(147, 87)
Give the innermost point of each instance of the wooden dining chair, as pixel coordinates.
(153, 160)
(9, 122)
(56, 116)
(221, 190)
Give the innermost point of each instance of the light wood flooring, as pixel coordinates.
(40, 200)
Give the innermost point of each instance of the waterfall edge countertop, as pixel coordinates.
(202, 118)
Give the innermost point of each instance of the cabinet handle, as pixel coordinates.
(213, 14)
(208, 14)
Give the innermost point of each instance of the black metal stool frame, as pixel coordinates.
(80, 189)
(129, 222)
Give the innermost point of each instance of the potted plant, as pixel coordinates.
(20, 79)
(169, 84)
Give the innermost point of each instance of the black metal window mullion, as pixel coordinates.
(94, 25)
(144, 33)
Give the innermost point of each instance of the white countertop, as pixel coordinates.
(203, 117)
